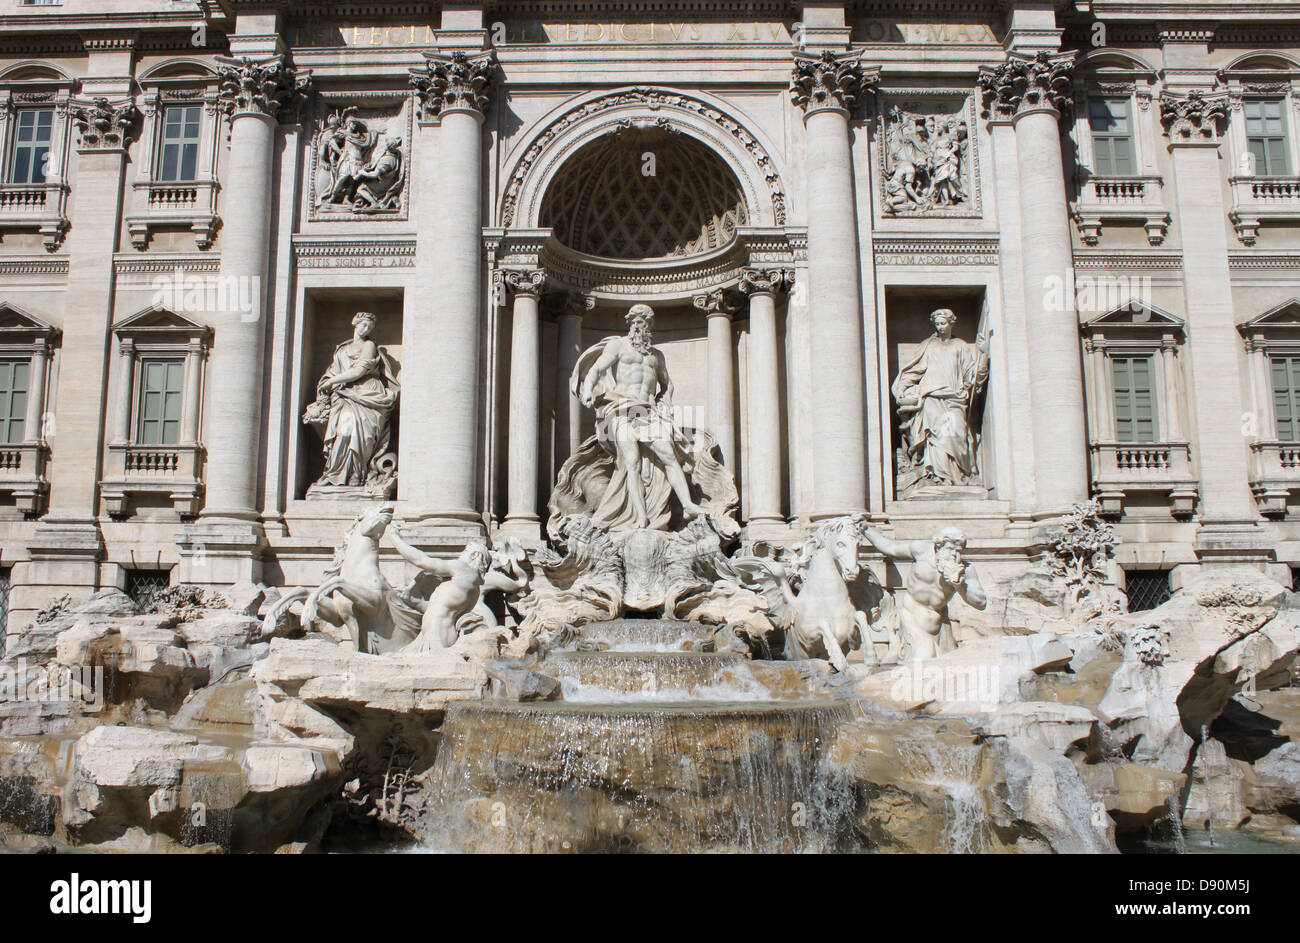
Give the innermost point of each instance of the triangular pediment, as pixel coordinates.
(1287, 314)
(14, 320)
(1137, 314)
(157, 319)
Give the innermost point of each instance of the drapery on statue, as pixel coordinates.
(938, 573)
(626, 476)
(935, 391)
(355, 400)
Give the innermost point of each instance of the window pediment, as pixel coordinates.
(159, 324)
(19, 326)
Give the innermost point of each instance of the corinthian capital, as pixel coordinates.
(1028, 83)
(829, 81)
(458, 81)
(721, 301)
(260, 87)
(769, 281)
(103, 125)
(1193, 119)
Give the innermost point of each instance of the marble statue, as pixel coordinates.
(354, 596)
(461, 588)
(355, 401)
(640, 461)
(355, 172)
(938, 572)
(935, 391)
(810, 594)
(925, 162)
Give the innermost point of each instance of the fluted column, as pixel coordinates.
(440, 476)
(826, 86)
(1193, 123)
(718, 308)
(525, 404)
(763, 426)
(1034, 92)
(253, 93)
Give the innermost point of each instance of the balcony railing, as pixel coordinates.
(35, 206)
(22, 475)
(1121, 199)
(141, 470)
(158, 205)
(1257, 200)
(1274, 474)
(1123, 468)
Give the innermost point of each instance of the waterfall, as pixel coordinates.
(1176, 823)
(1209, 791)
(954, 768)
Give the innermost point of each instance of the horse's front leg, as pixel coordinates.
(833, 650)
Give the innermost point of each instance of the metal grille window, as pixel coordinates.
(144, 585)
(1295, 579)
(6, 574)
(1112, 137)
(1266, 136)
(1135, 399)
(13, 399)
(33, 129)
(160, 402)
(1146, 589)
(178, 147)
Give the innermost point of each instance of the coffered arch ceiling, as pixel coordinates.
(644, 193)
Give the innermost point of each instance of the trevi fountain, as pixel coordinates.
(645, 680)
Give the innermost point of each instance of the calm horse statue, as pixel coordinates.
(354, 594)
(819, 618)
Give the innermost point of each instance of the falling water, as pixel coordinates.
(953, 768)
(1209, 792)
(1176, 823)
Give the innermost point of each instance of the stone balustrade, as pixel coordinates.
(39, 206)
(1121, 469)
(1122, 199)
(1256, 200)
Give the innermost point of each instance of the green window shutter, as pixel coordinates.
(13, 400)
(1122, 384)
(1134, 398)
(1266, 136)
(1286, 398)
(160, 402)
(1112, 137)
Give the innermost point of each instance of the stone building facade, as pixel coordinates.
(196, 198)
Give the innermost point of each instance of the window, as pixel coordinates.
(178, 145)
(1266, 136)
(1135, 412)
(143, 586)
(160, 402)
(1286, 398)
(33, 128)
(13, 400)
(1146, 589)
(1112, 137)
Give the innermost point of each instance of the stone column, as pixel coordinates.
(441, 476)
(1193, 124)
(826, 86)
(718, 308)
(125, 390)
(1034, 92)
(764, 399)
(568, 411)
(33, 425)
(66, 547)
(525, 404)
(193, 374)
(225, 545)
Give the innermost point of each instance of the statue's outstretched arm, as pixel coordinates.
(972, 590)
(419, 558)
(895, 550)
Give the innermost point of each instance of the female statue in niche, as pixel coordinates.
(353, 410)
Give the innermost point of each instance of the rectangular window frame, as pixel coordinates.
(1273, 156)
(1129, 427)
(13, 402)
(186, 147)
(146, 418)
(1105, 143)
(24, 163)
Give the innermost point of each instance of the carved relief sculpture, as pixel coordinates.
(353, 410)
(358, 170)
(935, 392)
(926, 162)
